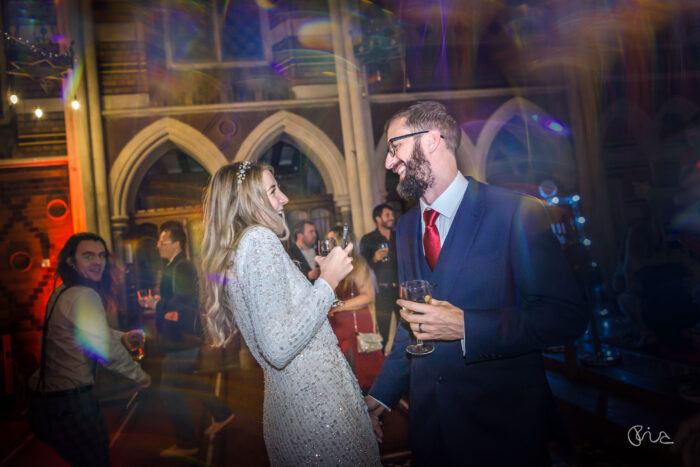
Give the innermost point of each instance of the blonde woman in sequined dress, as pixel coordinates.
(313, 412)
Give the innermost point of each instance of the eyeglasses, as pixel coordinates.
(392, 147)
(163, 243)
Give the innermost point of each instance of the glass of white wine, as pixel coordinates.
(418, 291)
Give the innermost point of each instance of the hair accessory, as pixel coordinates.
(243, 169)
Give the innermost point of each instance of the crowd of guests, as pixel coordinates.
(502, 292)
(307, 318)
(366, 297)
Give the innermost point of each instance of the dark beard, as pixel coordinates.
(419, 177)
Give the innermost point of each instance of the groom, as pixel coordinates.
(503, 292)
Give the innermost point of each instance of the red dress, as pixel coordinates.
(365, 365)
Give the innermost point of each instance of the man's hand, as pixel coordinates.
(375, 409)
(134, 339)
(314, 273)
(148, 301)
(380, 254)
(171, 316)
(437, 321)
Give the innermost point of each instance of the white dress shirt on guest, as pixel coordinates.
(446, 205)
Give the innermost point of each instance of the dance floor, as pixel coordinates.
(140, 428)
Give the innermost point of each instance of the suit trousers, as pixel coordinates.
(180, 389)
(385, 305)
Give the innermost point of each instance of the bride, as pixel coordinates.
(313, 411)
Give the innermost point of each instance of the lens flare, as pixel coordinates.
(316, 34)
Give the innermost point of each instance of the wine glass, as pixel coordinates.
(136, 341)
(325, 246)
(324, 249)
(418, 291)
(385, 246)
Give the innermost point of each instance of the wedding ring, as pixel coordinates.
(420, 327)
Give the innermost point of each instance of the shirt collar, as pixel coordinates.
(448, 202)
(181, 253)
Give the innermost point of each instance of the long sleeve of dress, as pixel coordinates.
(284, 318)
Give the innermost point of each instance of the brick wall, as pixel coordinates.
(122, 68)
(27, 236)
(41, 137)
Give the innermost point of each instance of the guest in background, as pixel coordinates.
(379, 250)
(355, 313)
(64, 411)
(180, 337)
(303, 250)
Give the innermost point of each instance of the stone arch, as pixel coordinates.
(319, 148)
(517, 106)
(129, 168)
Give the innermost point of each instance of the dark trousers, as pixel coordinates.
(385, 305)
(73, 426)
(180, 388)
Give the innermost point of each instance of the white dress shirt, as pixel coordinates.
(446, 205)
(310, 256)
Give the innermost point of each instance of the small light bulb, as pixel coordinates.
(581, 220)
(555, 200)
(587, 242)
(75, 104)
(576, 198)
(14, 99)
(39, 113)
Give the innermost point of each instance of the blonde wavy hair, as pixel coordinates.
(230, 209)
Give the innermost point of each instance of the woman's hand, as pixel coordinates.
(336, 265)
(338, 306)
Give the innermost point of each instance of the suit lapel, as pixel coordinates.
(460, 237)
(409, 245)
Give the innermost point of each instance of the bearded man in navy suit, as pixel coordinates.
(503, 292)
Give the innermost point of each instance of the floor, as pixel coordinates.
(139, 427)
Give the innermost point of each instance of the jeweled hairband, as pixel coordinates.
(242, 171)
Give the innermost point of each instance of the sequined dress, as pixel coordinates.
(313, 412)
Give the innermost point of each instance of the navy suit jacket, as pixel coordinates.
(300, 260)
(501, 264)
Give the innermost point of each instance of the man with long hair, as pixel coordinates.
(64, 411)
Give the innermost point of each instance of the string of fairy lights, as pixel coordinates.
(37, 55)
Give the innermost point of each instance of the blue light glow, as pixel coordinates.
(554, 126)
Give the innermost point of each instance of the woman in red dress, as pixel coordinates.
(355, 314)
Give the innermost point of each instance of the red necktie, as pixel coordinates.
(431, 237)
